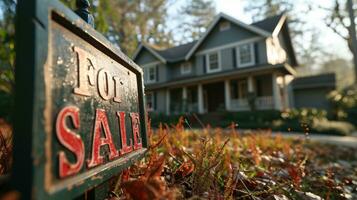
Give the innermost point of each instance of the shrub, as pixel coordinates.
(333, 127)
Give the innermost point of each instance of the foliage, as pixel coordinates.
(343, 100)
(223, 164)
(200, 14)
(126, 23)
(307, 120)
(5, 147)
(7, 47)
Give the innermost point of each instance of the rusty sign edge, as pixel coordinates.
(37, 26)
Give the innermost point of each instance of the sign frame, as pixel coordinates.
(30, 136)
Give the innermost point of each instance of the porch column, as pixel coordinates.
(286, 96)
(200, 99)
(276, 92)
(184, 93)
(167, 102)
(250, 84)
(184, 99)
(227, 94)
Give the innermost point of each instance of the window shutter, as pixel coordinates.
(157, 73)
(204, 64)
(234, 56)
(256, 56)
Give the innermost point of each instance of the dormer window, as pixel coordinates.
(186, 68)
(245, 55)
(213, 62)
(224, 26)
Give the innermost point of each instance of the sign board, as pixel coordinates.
(80, 115)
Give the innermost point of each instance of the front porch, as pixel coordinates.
(259, 92)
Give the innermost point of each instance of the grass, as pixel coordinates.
(223, 164)
(215, 163)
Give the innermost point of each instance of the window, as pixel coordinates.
(246, 55)
(150, 74)
(150, 101)
(224, 26)
(213, 64)
(186, 68)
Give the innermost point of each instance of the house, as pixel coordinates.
(312, 91)
(231, 67)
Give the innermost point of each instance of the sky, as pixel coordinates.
(331, 42)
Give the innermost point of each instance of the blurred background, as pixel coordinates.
(313, 56)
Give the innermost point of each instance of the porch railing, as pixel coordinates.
(260, 103)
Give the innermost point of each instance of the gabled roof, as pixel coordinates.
(151, 50)
(266, 28)
(220, 16)
(269, 24)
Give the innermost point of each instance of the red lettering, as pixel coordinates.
(101, 123)
(125, 147)
(135, 122)
(70, 140)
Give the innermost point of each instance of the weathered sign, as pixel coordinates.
(80, 115)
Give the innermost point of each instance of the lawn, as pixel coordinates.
(223, 164)
(215, 163)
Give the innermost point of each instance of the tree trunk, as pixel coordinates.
(352, 32)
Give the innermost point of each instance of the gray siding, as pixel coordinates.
(199, 64)
(162, 73)
(227, 59)
(312, 98)
(160, 101)
(145, 57)
(219, 38)
(262, 52)
(174, 70)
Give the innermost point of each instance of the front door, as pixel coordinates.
(214, 96)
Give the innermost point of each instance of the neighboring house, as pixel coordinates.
(312, 91)
(230, 62)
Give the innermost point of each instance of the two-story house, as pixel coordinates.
(232, 65)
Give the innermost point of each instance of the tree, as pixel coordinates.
(341, 20)
(261, 9)
(7, 58)
(126, 23)
(198, 14)
(7, 47)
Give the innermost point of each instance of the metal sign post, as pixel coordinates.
(80, 115)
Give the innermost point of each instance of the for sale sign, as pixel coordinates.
(80, 108)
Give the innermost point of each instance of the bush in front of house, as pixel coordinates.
(333, 127)
(308, 120)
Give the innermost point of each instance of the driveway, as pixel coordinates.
(349, 141)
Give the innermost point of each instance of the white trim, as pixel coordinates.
(230, 45)
(182, 68)
(150, 64)
(208, 70)
(252, 55)
(229, 18)
(279, 25)
(200, 99)
(227, 94)
(167, 102)
(150, 50)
